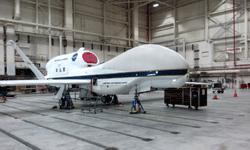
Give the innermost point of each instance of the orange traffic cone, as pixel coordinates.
(215, 96)
(235, 93)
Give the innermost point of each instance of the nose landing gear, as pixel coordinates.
(66, 102)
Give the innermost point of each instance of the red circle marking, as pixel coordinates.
(89, 58)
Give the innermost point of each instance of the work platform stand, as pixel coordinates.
(91, 103)
(136, 100)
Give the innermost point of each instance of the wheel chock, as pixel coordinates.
(133, 112)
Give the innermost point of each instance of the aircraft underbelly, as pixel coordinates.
(169, 82)
(112, 86)
(144, 84)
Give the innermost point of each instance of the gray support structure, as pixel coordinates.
(10, 52)
(206, 20)
(129, 24)
(2, 65)
(49, 10)
(135, 25)
(104, 29)
(68, 11)
(175, 18)
(37, 20)
(60, 44)
(17, 10)
(246, 30)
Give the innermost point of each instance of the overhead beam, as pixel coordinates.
(217, 6)
(125, 2)
(65, 29)
(163, 3)
(140, 5)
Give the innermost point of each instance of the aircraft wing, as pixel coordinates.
(42, 82)
(197, 83)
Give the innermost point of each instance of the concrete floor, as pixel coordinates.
(28, 122)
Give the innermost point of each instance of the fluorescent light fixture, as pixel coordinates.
(156, 5)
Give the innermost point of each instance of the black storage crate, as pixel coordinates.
(189, 96)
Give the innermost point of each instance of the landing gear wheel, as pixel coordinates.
(106, 99)
(167, 105)
(196, 107)
(103, 99)
(173, 105)
(144, 112)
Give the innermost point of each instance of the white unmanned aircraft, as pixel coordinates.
(139, 69)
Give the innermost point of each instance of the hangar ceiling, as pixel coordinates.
(163, 4)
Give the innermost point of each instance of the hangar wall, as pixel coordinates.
(88, 16)
(189, 23)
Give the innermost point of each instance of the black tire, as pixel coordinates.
(103, 99)
(219, 91)
(196, 107)
(173, 105)
(106, 99)
(222, 91)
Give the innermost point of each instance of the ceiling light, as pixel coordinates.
(156, 5)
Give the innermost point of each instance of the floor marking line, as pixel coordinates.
(172, 116)
(25, 110)
(73, 136)
(19, 140)
(173, 132)
(191, 126)
(141, 138)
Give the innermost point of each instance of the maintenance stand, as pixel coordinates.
(136, 100)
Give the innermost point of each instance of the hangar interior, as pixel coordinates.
(202, 31)
(211, 35)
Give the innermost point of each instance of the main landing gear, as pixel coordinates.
(110, 99)
(136, 103)
(66, 102)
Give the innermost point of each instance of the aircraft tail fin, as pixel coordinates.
(38, 74)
